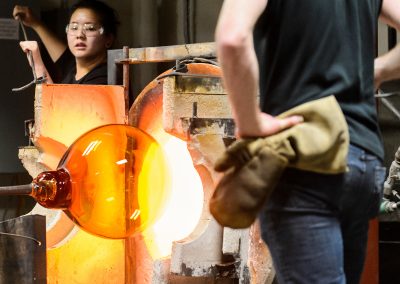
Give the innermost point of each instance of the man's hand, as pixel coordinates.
(268, 125)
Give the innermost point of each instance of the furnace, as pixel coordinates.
(186, 110)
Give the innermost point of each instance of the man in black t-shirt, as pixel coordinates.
(292, 52)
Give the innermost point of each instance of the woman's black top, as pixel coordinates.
(66, 68)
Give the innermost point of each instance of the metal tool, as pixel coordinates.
(383, 97)
(32, 63)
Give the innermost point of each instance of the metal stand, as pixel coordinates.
(23, 250)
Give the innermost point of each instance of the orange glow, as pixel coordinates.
(185, 207)
(185, 204)
(86, 259)
(64, 112)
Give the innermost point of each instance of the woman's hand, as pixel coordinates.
(26, 15)
(32, 46)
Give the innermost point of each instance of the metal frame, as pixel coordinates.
(127, 56)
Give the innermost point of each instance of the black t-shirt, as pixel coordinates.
(67, 69)
(308, 49)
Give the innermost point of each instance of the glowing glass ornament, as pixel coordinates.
(113, 181)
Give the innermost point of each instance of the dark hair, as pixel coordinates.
(108, 16)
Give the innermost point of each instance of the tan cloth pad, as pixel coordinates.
(252, 167)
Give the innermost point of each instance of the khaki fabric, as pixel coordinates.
(252, 167)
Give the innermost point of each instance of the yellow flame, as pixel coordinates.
(185, 205)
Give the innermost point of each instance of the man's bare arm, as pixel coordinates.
(235, 50)
(387, 66)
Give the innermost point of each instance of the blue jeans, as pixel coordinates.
(316, 225)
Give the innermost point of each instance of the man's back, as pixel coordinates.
(310, 49)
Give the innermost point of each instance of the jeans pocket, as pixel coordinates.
(376, 196)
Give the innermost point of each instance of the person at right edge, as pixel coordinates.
(292, 52)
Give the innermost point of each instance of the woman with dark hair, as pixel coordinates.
(91, 31)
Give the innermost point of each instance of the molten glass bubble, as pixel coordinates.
(117, 178)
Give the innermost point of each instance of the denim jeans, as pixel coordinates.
(316, 225)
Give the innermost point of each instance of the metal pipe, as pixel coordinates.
(391, 107)
(32, 63)
(29, 52)
(125, 71)
(25, 189)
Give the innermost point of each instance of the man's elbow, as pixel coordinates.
(229, 43)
